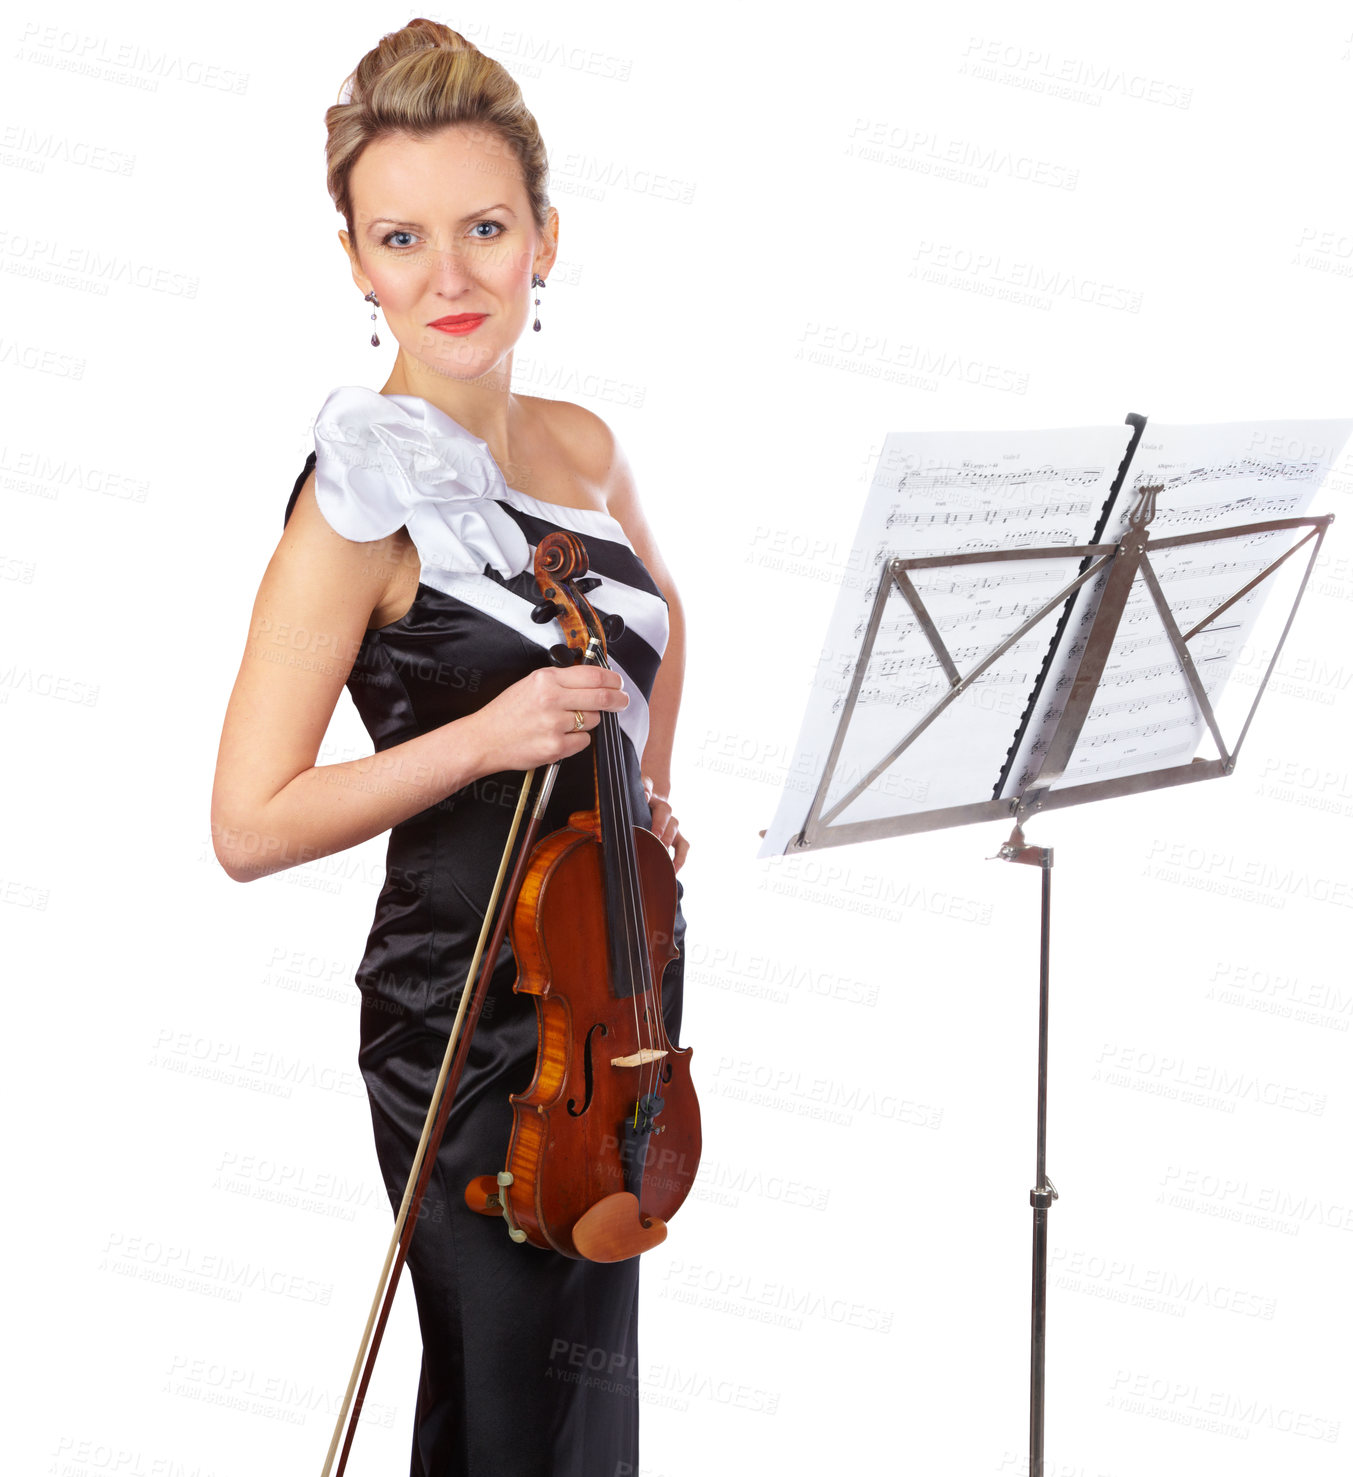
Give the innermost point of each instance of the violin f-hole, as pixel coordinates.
(588, 1078)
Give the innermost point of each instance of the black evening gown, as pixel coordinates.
(530, 1360)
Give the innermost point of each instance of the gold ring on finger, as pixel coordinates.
(578, 721)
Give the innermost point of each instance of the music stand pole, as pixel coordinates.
(1044, 1191)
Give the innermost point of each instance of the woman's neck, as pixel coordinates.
(485, 406)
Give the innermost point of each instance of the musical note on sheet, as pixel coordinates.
(993, 517)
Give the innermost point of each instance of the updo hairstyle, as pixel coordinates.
(417, 81)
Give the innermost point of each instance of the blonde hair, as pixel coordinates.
(421, 79)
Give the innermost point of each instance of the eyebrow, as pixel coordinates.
(384, 220)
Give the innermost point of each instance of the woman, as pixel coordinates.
(405, 572)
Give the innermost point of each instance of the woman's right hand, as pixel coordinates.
(533, 723)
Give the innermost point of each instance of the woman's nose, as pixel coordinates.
(447, 267)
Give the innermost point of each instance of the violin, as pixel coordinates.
(605, 1141)
(593, 912)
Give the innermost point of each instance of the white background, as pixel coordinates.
(783, 235)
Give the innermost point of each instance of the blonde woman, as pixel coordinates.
(405, 573)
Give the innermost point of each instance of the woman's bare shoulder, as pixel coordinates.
(581, 435)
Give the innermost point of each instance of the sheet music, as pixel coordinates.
(938, 493)
(1144, 716)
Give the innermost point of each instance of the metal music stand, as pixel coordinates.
(1122, 562)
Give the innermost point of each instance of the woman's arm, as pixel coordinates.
(271, 807)
(622, 502)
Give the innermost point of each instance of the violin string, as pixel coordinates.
(647, 1032)
(636, 930)
(622, 840)
(644, 976)
(616, 839)
(643, 1026)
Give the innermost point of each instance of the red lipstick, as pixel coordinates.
(459, 322)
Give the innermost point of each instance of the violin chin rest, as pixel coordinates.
(615, 1229)
(484, 1195)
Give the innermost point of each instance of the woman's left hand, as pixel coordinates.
(664, 825)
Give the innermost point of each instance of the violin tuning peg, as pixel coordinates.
(549, 611)
(587, 584)
(614, 626)
(561, 656)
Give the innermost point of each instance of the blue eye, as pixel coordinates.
(498, 229)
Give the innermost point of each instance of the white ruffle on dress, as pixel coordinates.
(384, 462)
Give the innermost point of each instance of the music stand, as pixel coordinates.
(1114, 567)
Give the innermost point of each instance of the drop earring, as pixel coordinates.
(537, 281)
(375, 301)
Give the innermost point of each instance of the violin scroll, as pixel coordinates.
(563, 581)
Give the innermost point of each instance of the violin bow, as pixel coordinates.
(439, 1111)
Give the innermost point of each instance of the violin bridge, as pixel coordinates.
(639, 1058)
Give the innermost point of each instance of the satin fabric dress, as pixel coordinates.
(530, 1360)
